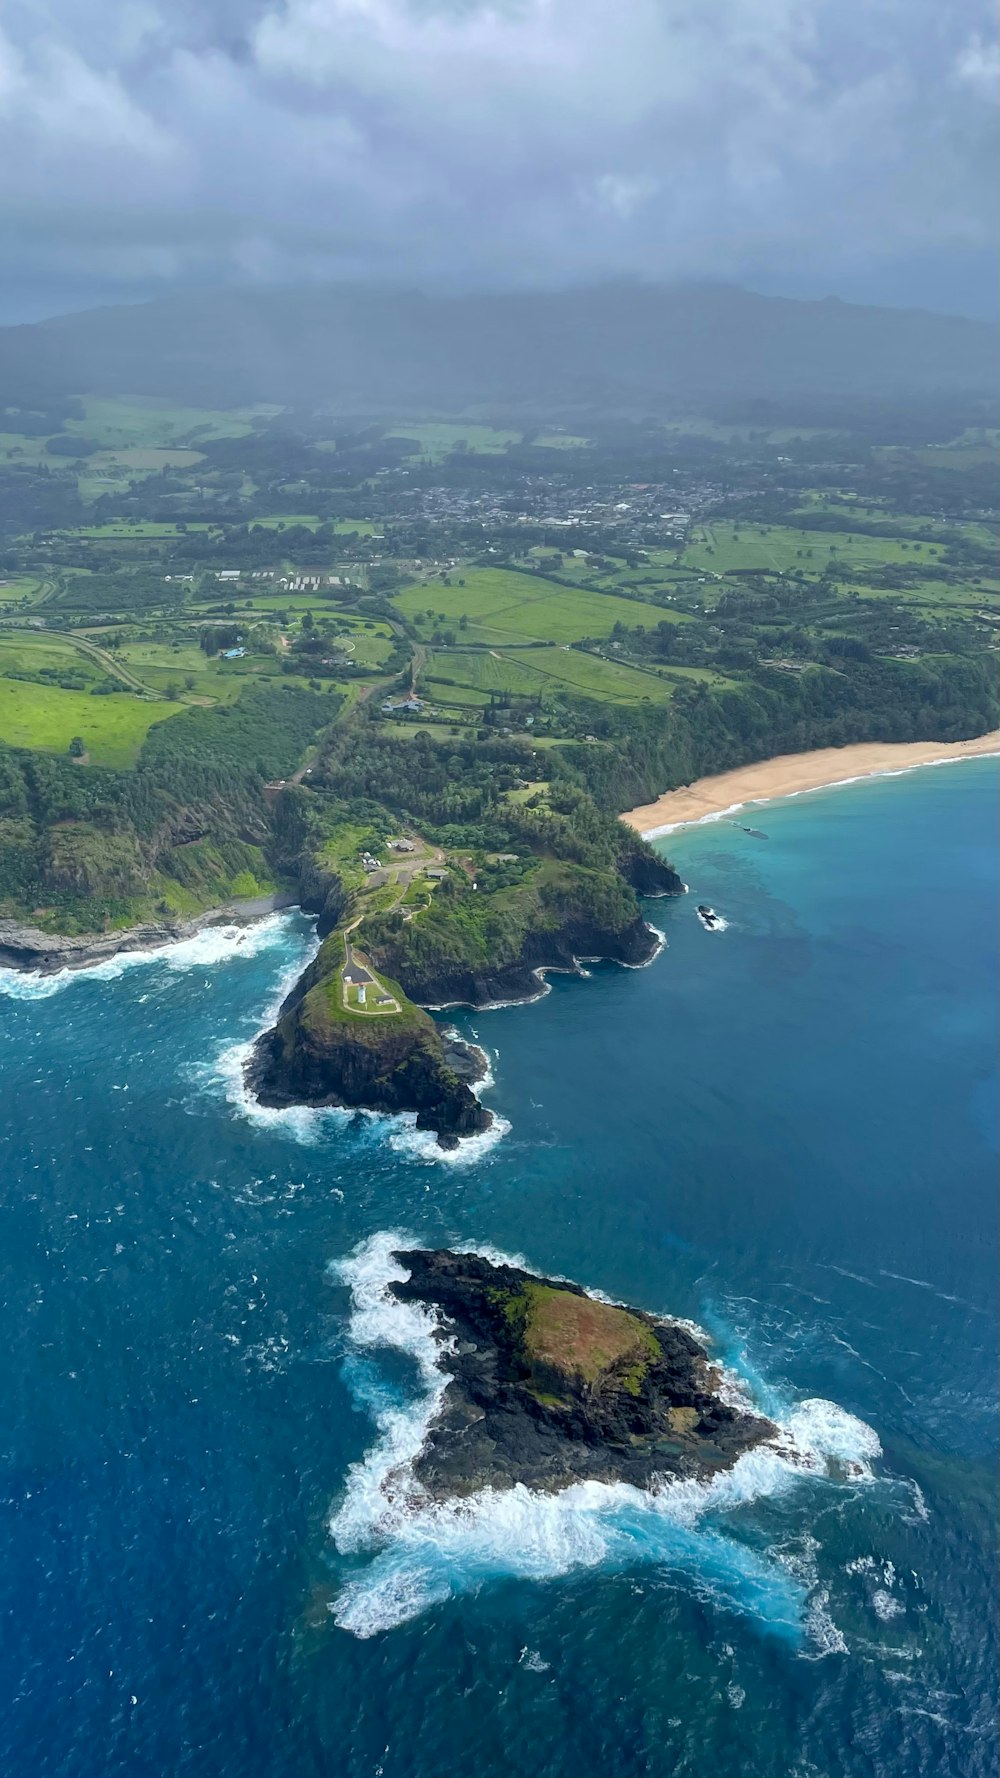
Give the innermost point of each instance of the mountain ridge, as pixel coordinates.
(366, 346)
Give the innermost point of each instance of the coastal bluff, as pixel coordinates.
(320, 1052)
(549, 1386)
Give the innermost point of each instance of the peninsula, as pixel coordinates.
(549, 1386)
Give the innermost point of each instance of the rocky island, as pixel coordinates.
(550, 1386)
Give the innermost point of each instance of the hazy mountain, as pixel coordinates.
(363, 347)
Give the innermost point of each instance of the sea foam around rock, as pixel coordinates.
(408, 1553)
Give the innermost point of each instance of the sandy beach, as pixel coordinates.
(793, 772)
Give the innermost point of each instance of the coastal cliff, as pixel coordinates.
(472, 948)
(461, 981)
(549, 1386)
(321, 1053)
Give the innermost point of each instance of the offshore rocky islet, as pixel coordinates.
(549, 1386)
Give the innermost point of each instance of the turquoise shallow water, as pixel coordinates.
(786, 1131)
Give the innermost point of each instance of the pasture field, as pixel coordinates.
(18, 587)
(436, 438)
(721, 547)
(16, 448)
(26, 651)
(591, 677)
(939, 598)
(530, 671)
(904, 524)
(145, 459)
(507, 606)
(130, 528)
(465, 695)
(561, 441)
(368, 650)
(485, 674)
(145, 422)
(47, 718)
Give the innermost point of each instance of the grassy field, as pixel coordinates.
(46, 717)
(561, 441)
(530, 671)
(504, 606)
(718, 548)
(436, 438)
(24, 651)
(145, 422)
(18, 587)
(128, 528)
(591, 677)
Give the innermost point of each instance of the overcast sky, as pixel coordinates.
(811, 147)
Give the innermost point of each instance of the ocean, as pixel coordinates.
(784, 1131)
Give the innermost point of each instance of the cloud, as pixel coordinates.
(149, 142)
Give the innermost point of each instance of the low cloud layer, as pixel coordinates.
(808, 145)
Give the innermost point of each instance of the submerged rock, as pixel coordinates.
(550, 1386)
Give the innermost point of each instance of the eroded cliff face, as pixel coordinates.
(461, 983)
(646, 872)
(320, 1054)
(549, 1386)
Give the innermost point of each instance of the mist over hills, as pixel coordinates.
(620, 345)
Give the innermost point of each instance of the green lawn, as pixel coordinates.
(503, 605)
(47, 718)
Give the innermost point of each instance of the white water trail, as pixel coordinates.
(423, 1551)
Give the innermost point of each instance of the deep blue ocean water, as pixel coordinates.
(785, 1131)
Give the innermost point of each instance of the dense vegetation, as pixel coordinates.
(491, 633)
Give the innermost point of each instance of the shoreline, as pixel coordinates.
(789, 774)
(31, 951)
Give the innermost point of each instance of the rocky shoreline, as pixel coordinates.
(319, 1053)
(45, 953)
(549, 1386)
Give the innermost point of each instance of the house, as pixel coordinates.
(233, 654)
(228, 574)
(437, 876)
(402, 846)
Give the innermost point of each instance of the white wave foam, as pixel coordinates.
(424, 1551)
(214, 944)
(423, 1145)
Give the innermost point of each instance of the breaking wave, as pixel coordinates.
(214, 944)
(405, 1552)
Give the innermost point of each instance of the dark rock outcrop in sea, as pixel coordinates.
(549, 1386)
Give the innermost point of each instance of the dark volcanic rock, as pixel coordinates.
(647, 872)
(317, 1054)
(550, 1387)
